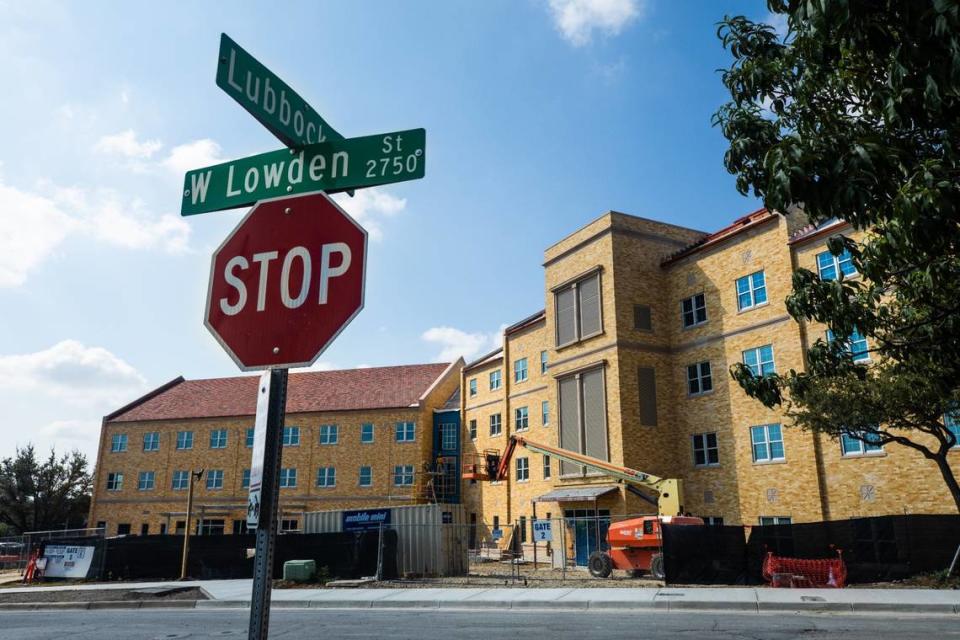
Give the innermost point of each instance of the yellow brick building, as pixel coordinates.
(353, 439)
(629, 363)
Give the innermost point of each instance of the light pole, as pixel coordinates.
(186, 533)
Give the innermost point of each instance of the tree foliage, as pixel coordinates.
(854, 114)
(39, 495)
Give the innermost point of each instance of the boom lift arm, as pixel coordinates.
(668, 490)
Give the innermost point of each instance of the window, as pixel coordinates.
(123, 529)
(473, 387)
(145, 481)
(144, 529)
(495, 427)
(522, 418)
(404, 431)
(366, 477)
(578, 312)
(769, 521)
(288, 478)
(289, 524)
(291, 436)
(543, 362)
(496, 522)
(180, 480)
(523, 469)
(215, 479)
(366, 432)
(705, 450)
(245, 479)
(546, 467)
(114, 481)
(641, 318)
(830, 265)
(329, 434)
(858, 444)
(249, 437)
(767, 441)
(212, 527)
(545, 412)
(184, 439)
(693, 310)
(583, 422)
(118, 443)
(520, 370)
(218, 439)
(951, 420)
(473, 429)
(448, 436)
(856, 346)
(751, 291)
(522, 525)
(239, 527)
(326, 477)
(699, 379)
(151, 441)
(647, 392)
(403, 475)
(713, 521)
(494, 380)
(760, 360)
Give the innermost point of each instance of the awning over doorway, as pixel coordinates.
(576, 494)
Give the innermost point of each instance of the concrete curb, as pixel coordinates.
(98, 604)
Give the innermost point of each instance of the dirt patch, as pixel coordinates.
(104, 595)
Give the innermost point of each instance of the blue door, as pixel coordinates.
(589, 532)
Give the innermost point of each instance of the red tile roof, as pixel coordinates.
(739, 225)
(349, 389)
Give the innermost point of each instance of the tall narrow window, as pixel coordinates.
(647, 387)
(472, 385)
(249, 437)
(495, 380)
(546, 467)
(520, 370)
(496, 428)
(523, 469)
(473, 429)
(544, 365)
(578, 310)
(545, 412)
(366, 476)
(521, 418)
(583, 419)
(366, 432)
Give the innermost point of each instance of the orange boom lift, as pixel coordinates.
(635, 543)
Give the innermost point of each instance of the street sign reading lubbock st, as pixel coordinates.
(286, 281)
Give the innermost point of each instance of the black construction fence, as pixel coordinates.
(216, 557)
(874, 549)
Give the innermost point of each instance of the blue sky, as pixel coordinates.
(540, 115)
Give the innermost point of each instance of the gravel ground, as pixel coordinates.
(112, 595)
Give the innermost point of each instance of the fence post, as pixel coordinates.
(563, 545)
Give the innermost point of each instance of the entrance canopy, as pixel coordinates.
(577, 494)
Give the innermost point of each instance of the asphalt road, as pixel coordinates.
(480, 625)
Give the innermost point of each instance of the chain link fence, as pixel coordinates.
(15, 551)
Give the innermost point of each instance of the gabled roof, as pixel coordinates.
(344, 390)
(526, 322)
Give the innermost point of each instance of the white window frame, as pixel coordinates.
(499, 425)
(523, 469)
(448, 435)
(544, 363)
(363, 433)
(369, 474)
(245, 479)
(545, 412)
(694, 308)
(184, 440)
(215, 439)
(472, 428)
(767, 444)
(329, 434)
(774, 521)
(214, 479)
(326, 477)
(403, 475)
(180, 480)
(699, 377)
(520, 370)
(496, 380)
(752, 291)
(116, 480)
(150, 478)
(288, 478)
(118, 443)
(151, 441)
(248, 437)
(861, 447)
(758, 352)
(836, 263)
(472, 387)
(521, 418)
(291, 436)
(547, 469)
(405, 431)
(855, 337)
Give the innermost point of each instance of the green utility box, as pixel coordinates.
(299, 570)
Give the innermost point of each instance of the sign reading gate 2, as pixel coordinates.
(286, 281)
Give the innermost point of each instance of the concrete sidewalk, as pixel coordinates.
(236, 594)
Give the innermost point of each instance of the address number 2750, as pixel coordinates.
(394, 165)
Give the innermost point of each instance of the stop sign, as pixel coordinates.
(286, 281)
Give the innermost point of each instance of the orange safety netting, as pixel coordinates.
(796, 572)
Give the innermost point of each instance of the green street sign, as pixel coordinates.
(329, 166)
(269, 99)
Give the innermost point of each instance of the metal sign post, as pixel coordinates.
(269, 502)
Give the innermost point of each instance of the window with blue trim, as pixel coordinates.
(856, 345)
(118, 443)
(767, 443)
(760, 360)
(145, 481)
(366, 476)
(291, 436)
(288, 478)
(830, 265)
(218, 439)
(366, 432)
(184, 439)
(249, 437)
(151, 441)
(751, 290)
(215, 479)
(329, 434)
(405, 432)
(180, 480)
(245, 479)
(327, 477)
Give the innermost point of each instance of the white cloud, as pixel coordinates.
(779, 23)
(31, 228)
(126, 144)
(370, 207)
(319, 365)
(73, 372)
(577, 20)
(455, 343)
(71, 434)
(193, 155)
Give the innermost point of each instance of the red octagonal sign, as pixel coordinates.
(286, 281)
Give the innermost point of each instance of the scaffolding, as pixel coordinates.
(437, 481)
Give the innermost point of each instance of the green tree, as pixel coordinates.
(854, 113)
(41, 495)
